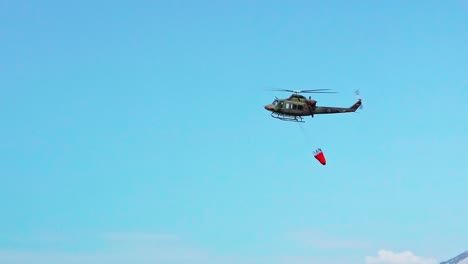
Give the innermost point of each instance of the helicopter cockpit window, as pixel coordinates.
(275, 102)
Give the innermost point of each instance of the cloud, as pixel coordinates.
(142, 248)
(406, 257)
(137, 256)
(321, 241)
(155, 248)
(139, 237)
(152, 256)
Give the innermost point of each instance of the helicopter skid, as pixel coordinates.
(288, 118)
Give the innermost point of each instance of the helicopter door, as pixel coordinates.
(290, 106)
(294, 107)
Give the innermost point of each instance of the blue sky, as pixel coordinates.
(134, 131)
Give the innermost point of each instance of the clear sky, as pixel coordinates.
(134, 132)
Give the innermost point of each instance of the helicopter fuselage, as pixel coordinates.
(297, 106)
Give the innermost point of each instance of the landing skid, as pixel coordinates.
(288, 118)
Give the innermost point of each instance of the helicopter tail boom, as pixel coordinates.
(335, 110)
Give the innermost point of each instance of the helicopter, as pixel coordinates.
(296, 106)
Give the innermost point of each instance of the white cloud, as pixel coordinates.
(321, 241)
(406, 257)
(144, 248)
(151, 248)
(153, 256)
(137, 256)
(139, 237)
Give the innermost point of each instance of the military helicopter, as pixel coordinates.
(297, 106)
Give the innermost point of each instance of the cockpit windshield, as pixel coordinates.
(275, 102)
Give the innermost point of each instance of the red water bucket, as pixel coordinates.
(320, 157)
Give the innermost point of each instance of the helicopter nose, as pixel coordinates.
(268, 107)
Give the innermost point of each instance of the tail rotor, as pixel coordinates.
(358, 96)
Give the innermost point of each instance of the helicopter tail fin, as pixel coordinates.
(358, 104)
(355, 106)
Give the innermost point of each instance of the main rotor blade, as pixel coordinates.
(304, 91)
(284, 90)
(317, 92)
